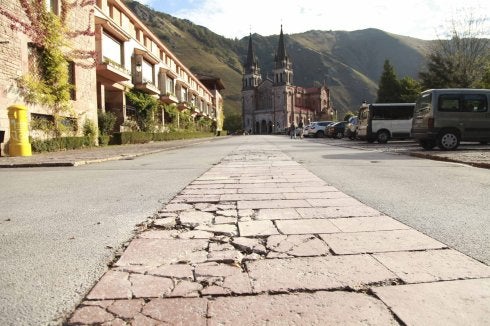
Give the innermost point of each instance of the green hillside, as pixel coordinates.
(350, 63)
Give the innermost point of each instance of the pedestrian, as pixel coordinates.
(300, 129)
(292, 131)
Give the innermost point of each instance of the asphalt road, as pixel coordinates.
(59, 227)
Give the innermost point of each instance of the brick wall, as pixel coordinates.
(13, 64)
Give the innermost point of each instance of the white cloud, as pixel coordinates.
(418, 18)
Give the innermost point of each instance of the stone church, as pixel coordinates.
(272, 104)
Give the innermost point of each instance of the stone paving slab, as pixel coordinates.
(156, 252)
(465, 302)
(432, 265)
(306, 226)
(336, 212)
(316, 273)
(379, 241)
(368, 223)
(256, 228)
(320, 308)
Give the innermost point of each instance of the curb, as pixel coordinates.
(447, 159)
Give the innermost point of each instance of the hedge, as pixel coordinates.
(137, 137)
(57, 144)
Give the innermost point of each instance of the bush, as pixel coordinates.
(104, 140)
(57, 144)
(121, 138)
(106, 120)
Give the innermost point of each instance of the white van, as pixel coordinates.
(385, 121)
(444, 117)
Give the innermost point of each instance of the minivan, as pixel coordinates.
(385, 121)
(445, 117)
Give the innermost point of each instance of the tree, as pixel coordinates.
(457, 60)
(389, 86)
(409, 90)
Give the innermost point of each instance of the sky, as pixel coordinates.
(424, 19)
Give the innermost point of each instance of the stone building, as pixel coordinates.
(272, 104)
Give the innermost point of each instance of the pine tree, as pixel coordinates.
(389, 86)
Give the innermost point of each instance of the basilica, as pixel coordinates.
(271, 105)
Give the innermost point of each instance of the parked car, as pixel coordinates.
(444, 117)
(336, 130)
(317, 128)
(351, 128)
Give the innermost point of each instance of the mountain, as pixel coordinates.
(350, 63)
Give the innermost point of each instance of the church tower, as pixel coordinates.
(251, 79)
(283, 69)
(251, 75)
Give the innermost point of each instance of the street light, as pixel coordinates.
(138, 67)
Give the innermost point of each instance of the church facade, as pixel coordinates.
(273, 104)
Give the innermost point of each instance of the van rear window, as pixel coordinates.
(475, 103)
(449, 103)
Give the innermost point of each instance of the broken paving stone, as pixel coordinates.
(90, 315)
(220, 246)
(243, 213)
(278, 214)
(167, 222)
(179, 271)
(178, 311)
(195, 218)
(225, 229)
(249, 245)
(225, 220)
(228, 213)
(148, 286)
(162, 215)
(205, 207)
(257, 228)
(226, 256)
(186, 289)
(224, 206)
(296, 245)
(126, 308)
(223, 279)
(176, 207)
(157, 252)
(113, 285)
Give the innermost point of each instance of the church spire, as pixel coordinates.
(283, 71)
(281, 56)
(251, 71)
(252, 64)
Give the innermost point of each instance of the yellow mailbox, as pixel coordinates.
(19, 131)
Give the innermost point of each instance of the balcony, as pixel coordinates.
(113, 71)
(184, 106)
(147, 87)
(169, 98)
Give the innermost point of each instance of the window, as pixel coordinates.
(112, 49)
(147, 70)
(53, 6)
(475, 103)
(72, 80)
(449, 103)
(170, 85)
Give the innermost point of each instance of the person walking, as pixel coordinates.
(292, 131)
(300, 129)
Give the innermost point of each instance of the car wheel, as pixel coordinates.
(340, 135)
(320, 134)
(383, 137)
(448, 140)
(427, 144)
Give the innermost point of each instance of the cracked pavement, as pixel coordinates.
(258, 239)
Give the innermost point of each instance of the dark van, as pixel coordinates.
(445, 117)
